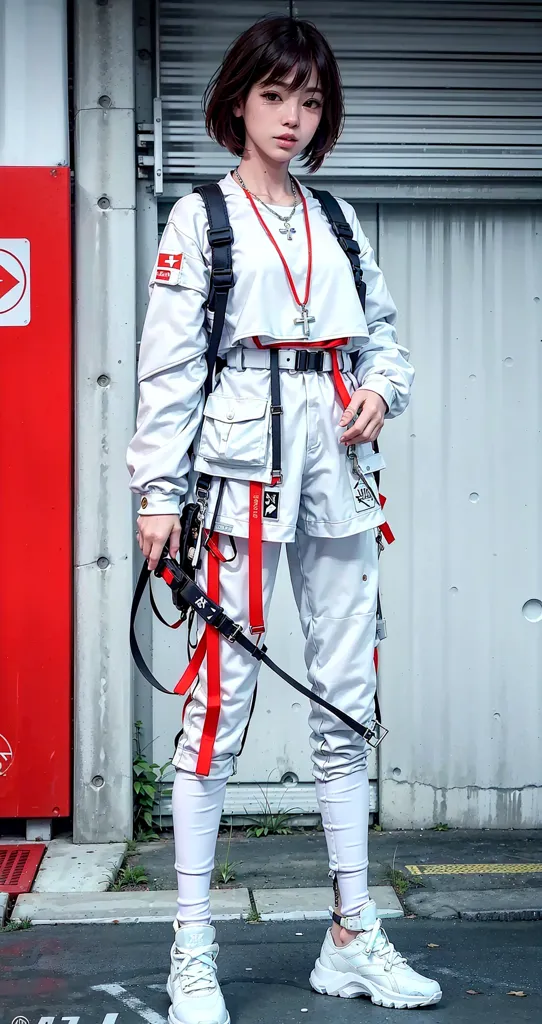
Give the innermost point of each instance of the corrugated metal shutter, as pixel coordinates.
(434, 90)
(462, 588)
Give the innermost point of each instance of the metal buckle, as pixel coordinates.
(276, 410)
(379, 733)
(234, 633)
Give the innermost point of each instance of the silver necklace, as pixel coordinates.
(287, 230)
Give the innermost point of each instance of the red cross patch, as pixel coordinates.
(168, 262)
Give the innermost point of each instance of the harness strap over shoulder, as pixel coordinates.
(345, 237)
(220, 237)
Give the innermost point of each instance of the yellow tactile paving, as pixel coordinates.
(474, 869)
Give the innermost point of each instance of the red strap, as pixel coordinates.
(255, 560)
(213, 674)
(194, 665)
(340, 386)
(213, 547)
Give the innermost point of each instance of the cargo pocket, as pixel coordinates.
(369, 460)
(235, 430)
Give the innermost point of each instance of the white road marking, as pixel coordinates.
(131, 1003)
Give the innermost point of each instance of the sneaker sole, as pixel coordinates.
(349, 986)
(175, 1020)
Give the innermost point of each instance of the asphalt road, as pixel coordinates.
(60, 972)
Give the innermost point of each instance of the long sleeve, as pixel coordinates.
(382, 364)
(172, 367)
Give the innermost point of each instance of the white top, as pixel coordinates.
(172, 366)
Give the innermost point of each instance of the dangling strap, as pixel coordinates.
(276, 419)
(212, 713)
(194, 665)
(255, 560)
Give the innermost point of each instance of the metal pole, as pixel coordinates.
(104, 158)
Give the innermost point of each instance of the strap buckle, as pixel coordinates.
(220, 236)
(305, 360)
(221, 279)
(377, 733)
(234, 633)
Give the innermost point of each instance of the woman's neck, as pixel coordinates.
(268, 181)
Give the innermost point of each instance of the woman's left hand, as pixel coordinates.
(371, 409)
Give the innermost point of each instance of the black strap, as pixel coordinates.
(276, 414)
(220, 237)
(345, 237)
(214, 615)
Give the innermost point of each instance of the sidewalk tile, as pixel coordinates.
(124, 907)
(312, 904)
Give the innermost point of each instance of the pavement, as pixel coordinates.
(473, 875)
(472, 900)
(115, 974)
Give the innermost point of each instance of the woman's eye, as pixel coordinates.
(271, 96)
(314, 104)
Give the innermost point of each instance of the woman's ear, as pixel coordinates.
(239, 109)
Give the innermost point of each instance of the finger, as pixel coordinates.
(364, 431)
(354, 433)
(155, 552)
(351, 410)
(174, 541)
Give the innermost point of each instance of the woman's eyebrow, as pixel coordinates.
(308, 88)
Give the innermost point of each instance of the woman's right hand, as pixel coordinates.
(152, 534)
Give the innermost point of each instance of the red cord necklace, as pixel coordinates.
(305, 319)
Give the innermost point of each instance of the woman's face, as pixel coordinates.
(279, 122)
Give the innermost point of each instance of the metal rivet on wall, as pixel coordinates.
(104, 380)
(104, 203)
(102, 562)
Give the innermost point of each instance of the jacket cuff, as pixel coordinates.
(154, 503)
(381, 386)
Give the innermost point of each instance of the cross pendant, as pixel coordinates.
(305, 319)
(287, 230)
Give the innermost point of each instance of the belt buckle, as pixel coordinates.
(234, 633)
(379, 734)
(301, 360)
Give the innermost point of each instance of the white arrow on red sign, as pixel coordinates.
(14, 282)
(7, 281)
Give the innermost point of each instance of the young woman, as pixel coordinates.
(277, 95)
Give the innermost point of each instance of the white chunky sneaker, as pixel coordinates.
(192, 985)
(371, 966)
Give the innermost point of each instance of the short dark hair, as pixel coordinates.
(268, 51)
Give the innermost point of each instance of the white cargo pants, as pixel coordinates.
(335, 583)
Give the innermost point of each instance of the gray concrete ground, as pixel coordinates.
(76, 971)
(300, 860)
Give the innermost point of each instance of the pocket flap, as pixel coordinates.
(371, 462)
(234, 410)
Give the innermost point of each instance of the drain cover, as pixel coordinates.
(19, 863)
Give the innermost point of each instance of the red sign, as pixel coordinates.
(36, 414)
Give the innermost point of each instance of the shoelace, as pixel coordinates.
(379, 943)
(197, 969)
